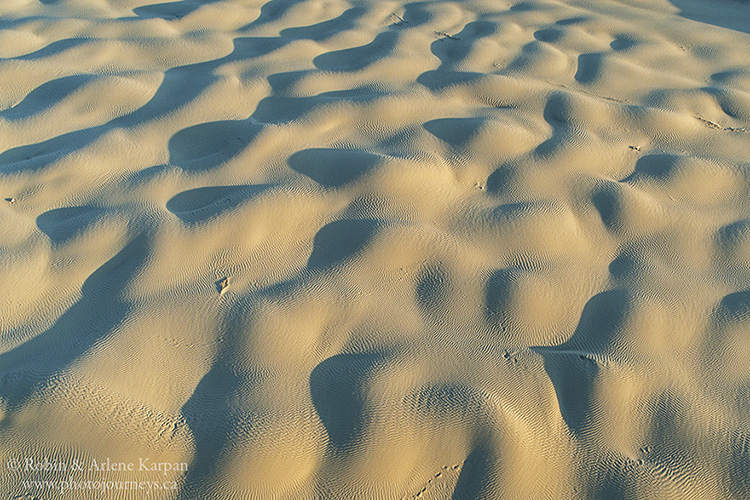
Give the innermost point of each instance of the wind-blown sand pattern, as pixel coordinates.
(359, 249)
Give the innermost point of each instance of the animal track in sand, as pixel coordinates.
(396, 20)
(443, 476)
(716, 126)
(222, 285)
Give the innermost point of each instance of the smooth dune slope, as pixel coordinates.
(360, 249)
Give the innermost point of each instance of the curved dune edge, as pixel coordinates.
(305, 249)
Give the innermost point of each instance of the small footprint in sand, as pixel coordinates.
(397, 20)
(222, 285)
(442, 35)
(510, 356)
(645, 451)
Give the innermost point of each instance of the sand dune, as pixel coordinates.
(331, 249)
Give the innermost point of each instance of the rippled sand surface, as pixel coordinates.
(360, 249)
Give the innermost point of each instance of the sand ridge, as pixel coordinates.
(378, 250)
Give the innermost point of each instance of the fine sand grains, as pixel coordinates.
(351, 249)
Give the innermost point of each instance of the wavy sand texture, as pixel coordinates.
(339, 249)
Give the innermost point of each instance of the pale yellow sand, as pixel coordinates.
(312, 249)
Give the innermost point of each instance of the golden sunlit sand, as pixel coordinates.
(359, 249)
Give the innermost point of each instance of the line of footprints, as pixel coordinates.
(442, 475)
